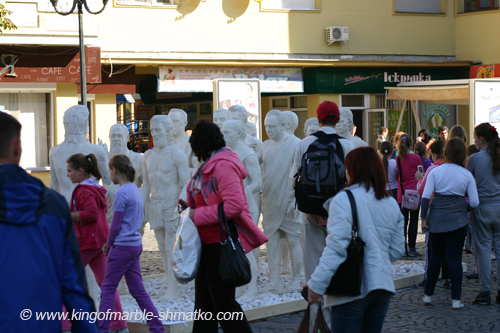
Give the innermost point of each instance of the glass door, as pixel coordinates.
(375, 118)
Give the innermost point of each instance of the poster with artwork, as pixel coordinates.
(487, 102)
(228, 92)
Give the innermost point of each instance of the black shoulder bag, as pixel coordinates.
(347, 278)
(234, 267)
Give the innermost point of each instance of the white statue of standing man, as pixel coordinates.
(221, 116)
(291, 122)
(76, 120)
(181, 139)
(345, 126)
(234, 134)
(165, 173)
(311, 126)
(278, 200)
(118, 138)
(240, 113)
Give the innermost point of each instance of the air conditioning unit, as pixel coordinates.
(337, 34)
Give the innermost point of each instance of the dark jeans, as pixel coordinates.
(411, 228)
(447, 244)
(211, 297)
(364, 315)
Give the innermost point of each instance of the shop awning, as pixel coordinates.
(434, 92)
(127, 98)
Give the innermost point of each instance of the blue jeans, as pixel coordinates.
(363, 315)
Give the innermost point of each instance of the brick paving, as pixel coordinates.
(408, 314)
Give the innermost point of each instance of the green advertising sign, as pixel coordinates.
(364, 80)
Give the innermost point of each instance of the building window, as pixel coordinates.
(380, 101)
(353, 101)
(34, 113)
(145, 2)
(420, 6)
(289, 4)
(467, 6)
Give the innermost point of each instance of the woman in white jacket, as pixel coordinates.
(380, 226)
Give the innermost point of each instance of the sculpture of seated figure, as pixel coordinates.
(311, 126)
(278, 201)
(234, 134)
(221, 116)
(165, 173)
(345, 126)
(240, 113)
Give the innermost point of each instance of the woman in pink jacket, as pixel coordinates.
(218, 180)
(407, 164)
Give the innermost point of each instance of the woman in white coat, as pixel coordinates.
(380, 226)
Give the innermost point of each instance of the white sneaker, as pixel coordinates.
(427, 300)
(456, 304)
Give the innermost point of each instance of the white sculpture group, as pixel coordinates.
(163, 172)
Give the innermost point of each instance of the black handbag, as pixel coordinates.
(234, 267)
(347, 278)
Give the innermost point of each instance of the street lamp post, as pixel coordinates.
(80, 4)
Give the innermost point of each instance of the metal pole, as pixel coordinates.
(83, 79)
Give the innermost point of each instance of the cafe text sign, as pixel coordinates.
(48, 64)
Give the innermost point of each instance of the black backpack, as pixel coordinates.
(321, 175)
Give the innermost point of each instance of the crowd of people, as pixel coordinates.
(460, 198)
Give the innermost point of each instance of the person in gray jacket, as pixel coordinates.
(380, 227)
(485, 166)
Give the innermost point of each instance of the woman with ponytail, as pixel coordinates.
(407, 164)
(485, 166)
(124, 245)
(88, 211)
(391, 171)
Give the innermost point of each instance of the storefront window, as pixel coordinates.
(476, 5)
(353, 100)
(420, 6)
(33, 112)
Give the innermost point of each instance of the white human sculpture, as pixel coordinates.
(278, 201)
(118, 138)
(221, 116)
(239, 112)
(234, 134)
(345, 126)
(165, 173)
(251, 129)
(181, 139)
(75, 122)
(311, 126)
(291, 122)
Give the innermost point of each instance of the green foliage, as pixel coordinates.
(5, 23)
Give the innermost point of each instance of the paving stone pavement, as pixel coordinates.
(407, 313)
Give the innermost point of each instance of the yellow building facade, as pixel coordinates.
(386, 42)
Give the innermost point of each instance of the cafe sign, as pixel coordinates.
(48, 64)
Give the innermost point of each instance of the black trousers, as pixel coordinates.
(215, 302)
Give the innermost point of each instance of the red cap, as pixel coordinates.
(328, 111)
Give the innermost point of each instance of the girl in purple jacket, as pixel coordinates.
(124, 246)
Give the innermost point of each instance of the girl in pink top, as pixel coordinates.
(407, 164)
